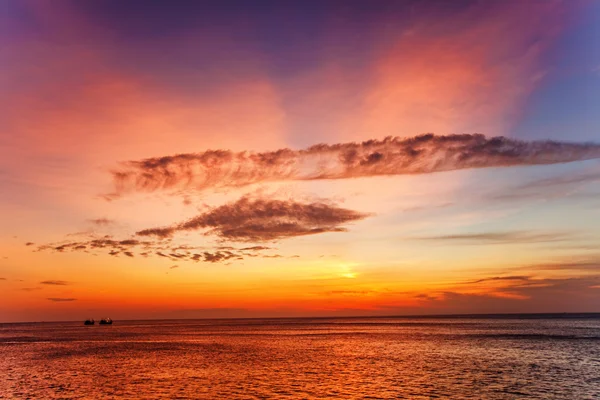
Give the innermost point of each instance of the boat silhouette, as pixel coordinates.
(106, 321)
(89, 321)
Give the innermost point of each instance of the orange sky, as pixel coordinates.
(87, 91)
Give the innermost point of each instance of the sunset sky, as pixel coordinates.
(192, 159)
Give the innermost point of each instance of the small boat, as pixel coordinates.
(89, 321)
(106, 321)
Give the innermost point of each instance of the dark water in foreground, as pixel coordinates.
(388, 358)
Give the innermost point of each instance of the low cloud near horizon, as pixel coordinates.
(55, 283)
(61, 299)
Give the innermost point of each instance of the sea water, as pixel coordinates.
(347, 358)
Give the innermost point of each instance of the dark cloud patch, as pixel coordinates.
(30, 289)
(128, 253)
(174, 266)
(158, 232)
(219, 256)
(501, 278)
(255, 248)
(61, 299)
(514, 237)
(2, 279)
(424, 296)
(391, 156)
(102, 221)
(55, 283)
(260, 220)
(29, 244)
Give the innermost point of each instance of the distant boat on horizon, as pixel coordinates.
(106, 321)
(89, 321)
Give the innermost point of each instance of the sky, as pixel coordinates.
(216, 159)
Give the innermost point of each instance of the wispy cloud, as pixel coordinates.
(161, 247)
(102, 221)
(30, 289)
(350, 292)
(510, 278)
(591, 265)
(55, 283)
(259, 220)
(552, 187)
(61, 299)
(255, 248)
(508, 237)
(391, 156)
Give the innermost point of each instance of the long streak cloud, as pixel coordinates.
(391, 156)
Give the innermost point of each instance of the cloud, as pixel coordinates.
(508, 237)
(2, 279)
(584, 265)
(216, 256)
(563, 180)
(350, 292)
(517, 294)
(115, 247)
(502, 278)
(61, 299)
(391, 156)
(261, 220)
(55, 282)
(102, 221)
(424, 296)
(255, 248)
(29, 244)
(547, 188)
(146, 248)
(174, 266)
(30, 289)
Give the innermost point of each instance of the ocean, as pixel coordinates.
(500, 357)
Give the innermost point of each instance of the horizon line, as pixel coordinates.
(403, 316)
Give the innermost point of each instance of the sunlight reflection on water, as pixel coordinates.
(303, 358)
